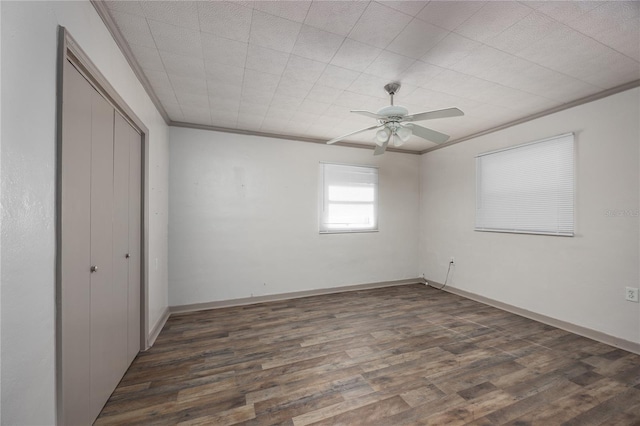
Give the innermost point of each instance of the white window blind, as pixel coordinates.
(528, 188)
(348, 198)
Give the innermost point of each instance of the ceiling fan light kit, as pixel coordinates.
(383, 135)
(404, 133)
(391, 127)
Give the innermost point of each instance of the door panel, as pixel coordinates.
(105, 354)
(121, 237)
(75, 297)
(135, 243)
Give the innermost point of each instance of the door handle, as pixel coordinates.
(94, 268)
(126, 256)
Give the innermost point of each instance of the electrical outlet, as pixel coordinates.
(631, 294)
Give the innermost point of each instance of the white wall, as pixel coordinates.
(243, 219)
(579, 280)
(29, 43)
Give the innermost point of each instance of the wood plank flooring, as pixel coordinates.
(403, 355)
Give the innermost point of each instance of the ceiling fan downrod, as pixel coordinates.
(392, 89)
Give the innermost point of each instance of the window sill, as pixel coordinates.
(512, 231)
(348, 232)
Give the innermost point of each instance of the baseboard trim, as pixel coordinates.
(157, 328)
(284, 296)
(567, 326)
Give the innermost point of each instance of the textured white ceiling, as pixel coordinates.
(296, 68)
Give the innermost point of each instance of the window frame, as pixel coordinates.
(323, 200)
(511, 230)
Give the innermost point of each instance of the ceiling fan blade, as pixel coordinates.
(380, 149)
(339, 138)
(428, 134)
(369, 114)
(442, 113)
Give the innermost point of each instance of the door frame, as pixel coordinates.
(69, 50)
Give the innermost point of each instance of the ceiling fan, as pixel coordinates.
(395, 125)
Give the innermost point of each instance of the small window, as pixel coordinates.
(348, 198)
(527, 188)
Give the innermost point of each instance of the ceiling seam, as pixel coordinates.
(285, 69)
(567, 24)
(204, 66)
(164, 66)
(244, 72)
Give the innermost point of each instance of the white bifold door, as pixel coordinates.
(100, 163)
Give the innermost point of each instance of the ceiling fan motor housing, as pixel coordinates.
(393, 112)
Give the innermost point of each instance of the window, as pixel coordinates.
(527, 188)
(348, 198)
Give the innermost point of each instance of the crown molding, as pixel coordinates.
(281, 136)
(106, 17)
(605, 93)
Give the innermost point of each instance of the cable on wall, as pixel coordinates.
(447, 277)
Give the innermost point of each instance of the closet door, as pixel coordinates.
(126, 238)
(121, 153)
(135, 244)
(106, 342)
(75, 259)
(100, 252)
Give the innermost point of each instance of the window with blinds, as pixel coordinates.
(348, 198)
(527, 188)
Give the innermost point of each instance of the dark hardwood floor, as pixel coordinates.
(393, 356)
